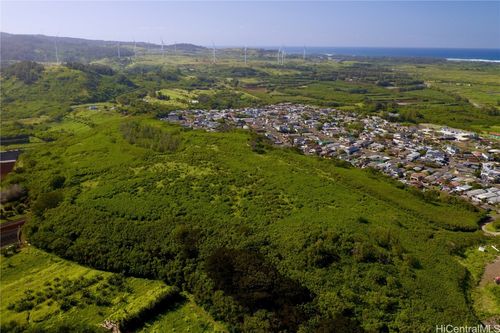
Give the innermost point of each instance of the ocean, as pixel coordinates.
(492, 55)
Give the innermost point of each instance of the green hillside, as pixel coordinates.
(17, 47)
(52, 90)
(272, 241)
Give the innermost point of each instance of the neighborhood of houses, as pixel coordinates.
(426, 156)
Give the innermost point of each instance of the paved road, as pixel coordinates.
(10, 231)
(483, 227)
(492, 219)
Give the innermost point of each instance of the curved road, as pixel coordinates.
(492, 219)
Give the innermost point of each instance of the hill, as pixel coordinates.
(268, 241)
(42, 48)
(33, 94)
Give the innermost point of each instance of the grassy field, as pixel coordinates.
(178, 98)
(477, 82)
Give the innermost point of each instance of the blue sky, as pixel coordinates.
(462, 24)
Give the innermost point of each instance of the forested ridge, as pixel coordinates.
(42, 48)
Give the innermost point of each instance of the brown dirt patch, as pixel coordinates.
(490, 272)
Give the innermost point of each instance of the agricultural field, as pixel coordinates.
(43, 291)
(477, 82)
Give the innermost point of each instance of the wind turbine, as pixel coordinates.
(135, 49)
(278, 55)
(213, 52)
(55, 47)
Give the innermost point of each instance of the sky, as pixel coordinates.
(442, 24)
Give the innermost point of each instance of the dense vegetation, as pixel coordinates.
(150, 137)
(265, 239)
(268, 240)
(26, 71)
(29, 91)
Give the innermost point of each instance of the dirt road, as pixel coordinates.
(490, 272)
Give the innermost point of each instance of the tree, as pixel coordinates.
(47, 201)
(57, 182)
(26, 71)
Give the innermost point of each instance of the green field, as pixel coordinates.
(178, 98)
(477, 82)
(485, 298)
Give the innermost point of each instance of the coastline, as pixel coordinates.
(473, 60)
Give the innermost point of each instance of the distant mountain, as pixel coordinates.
(43, 48)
